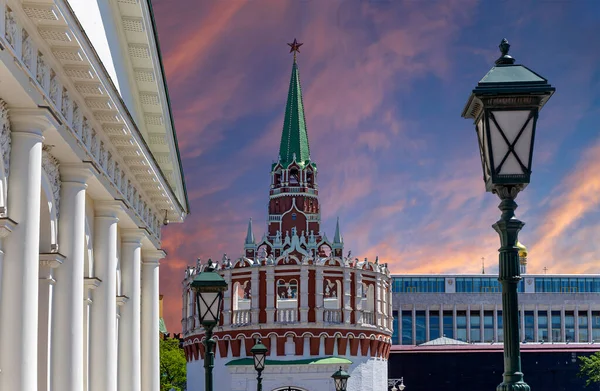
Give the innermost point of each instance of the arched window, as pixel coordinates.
(242, 295)
(294, 177)
(332, 294)
(287, 301)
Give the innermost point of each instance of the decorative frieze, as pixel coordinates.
(5, 137)
(50, 166)
(65, 104)
(149, 98)
(139, 51)
(135, 25)
(145, 75)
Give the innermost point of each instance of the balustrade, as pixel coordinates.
(332, 316)
(368, 317)
(241, 317)
(287, 315)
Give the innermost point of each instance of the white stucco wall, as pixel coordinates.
(367, 374)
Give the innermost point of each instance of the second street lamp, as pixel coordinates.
(340, 378)
(504, 107)
(259, 352)
(209, 287)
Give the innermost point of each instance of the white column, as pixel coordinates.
(576, 319)
(495, 322)
(427, 337)
(103, 327)
(549, 314)
(320, 299)
(150, 317)
(270, 278)
(563, 330)
(454, 322)
(358, 310)
(129, 371)
(535, 324)
(414, 325)
(347, 302)
(304, 294)
(19, 296)
(522, 323)
(589, 315)
(481, 325)
(67, 322)
(469, 323)
(48, 262)
(254, 289)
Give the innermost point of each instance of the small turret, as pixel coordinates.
(522, 257)
(338, 242)
(250, 243)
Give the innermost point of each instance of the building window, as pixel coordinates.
(475, 327)
(481, 284)
(420, 327)
(542, 326)
(556, 332)
(583, 326)
(418, 284)
(570, 326)
(448, 324)
(529, 327)
(434, 325)
(567, 285)
(500, 327)
(488, 326)
(595, 326)
(395, 337)
(461, 326)
(407, 328)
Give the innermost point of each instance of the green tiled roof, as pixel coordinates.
(294, 139)
(308, 361)
(161, 326)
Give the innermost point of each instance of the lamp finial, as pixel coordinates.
(505, 59)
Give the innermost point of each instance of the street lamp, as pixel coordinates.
(394, 382)
(340, 377)
(209, 287)
(504, 107)
(259, 352)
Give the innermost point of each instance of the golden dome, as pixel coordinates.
(522, 250)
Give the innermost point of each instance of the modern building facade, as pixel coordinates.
(448, 331)
(314, 308)
(89, 174)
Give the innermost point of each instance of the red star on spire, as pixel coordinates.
(295, 47)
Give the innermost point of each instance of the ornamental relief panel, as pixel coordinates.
(5, 137)
(50, 166)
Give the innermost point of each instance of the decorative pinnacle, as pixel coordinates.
(505, 59)
(295, 47)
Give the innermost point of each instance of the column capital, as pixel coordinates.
(35, 121)
(77, 173)
(133, 235)
(152, 256)
(7, 225)
(52, 260)
(107, 209)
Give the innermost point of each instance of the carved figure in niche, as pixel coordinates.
(41, 70)
(76, 118)
(278, 237)
(85, 132)
(53, 87)
(11, 27)
(5, 142)
(66, 104)
(94, 143)
(26, 49)
(270, 259)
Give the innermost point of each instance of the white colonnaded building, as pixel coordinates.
(89, 174)
(315, 309)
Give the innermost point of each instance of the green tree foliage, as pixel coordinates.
(172, 365)
(589, 368)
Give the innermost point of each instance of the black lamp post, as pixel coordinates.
(209, 287)
(340, 377)
(504, 107)
(259, 351)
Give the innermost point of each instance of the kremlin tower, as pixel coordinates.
(313, 308)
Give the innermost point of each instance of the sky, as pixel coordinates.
(384, 85)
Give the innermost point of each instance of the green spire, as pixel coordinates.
(294, 139)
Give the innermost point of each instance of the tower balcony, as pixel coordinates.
(294, 190)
